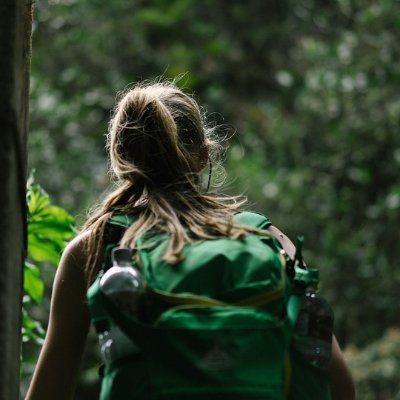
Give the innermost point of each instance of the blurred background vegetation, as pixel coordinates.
(307, 90)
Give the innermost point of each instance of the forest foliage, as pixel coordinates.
(49, 227)
(305, 90)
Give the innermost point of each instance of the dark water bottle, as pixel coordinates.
(123, 285)
(315, 326)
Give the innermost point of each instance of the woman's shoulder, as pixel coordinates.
(77, 246)
(75, 254)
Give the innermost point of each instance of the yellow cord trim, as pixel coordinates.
(181, 299)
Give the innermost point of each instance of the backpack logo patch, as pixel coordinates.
(215, 359)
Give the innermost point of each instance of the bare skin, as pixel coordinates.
(342, 385)
(56, 372)
(57, 369)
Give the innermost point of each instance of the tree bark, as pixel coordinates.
(15, 54)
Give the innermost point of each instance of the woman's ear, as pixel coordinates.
(203, 157)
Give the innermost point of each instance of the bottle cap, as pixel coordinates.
(121, 255)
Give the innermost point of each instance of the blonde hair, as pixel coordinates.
(158, 143)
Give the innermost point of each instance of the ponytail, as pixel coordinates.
(158, 143)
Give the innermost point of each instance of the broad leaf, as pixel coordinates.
(33, 284)
(43, 249)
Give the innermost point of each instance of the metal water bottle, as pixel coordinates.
(315, 326)
(123, 285)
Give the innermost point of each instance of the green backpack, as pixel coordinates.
(219, 325)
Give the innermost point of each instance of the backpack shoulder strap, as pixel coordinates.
(122, 220)
(285, 242)
(252, 219)
(260, 221)
(115, 229)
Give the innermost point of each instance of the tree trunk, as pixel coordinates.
(15, 54)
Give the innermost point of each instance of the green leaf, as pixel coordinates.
(49, 226)
(37, 200)
(31, 329)
(33, 284)
(52, 227)
(42, 249)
